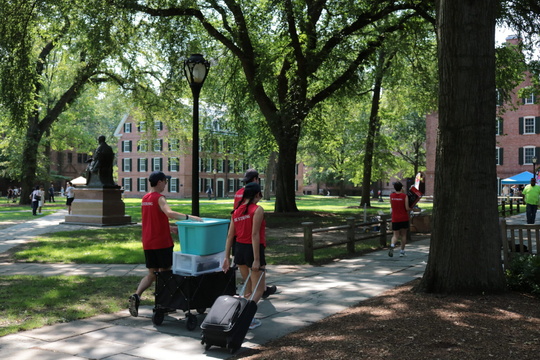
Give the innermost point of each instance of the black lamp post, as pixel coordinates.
(534, 160)
(196, 70)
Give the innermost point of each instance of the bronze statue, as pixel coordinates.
(99, 172)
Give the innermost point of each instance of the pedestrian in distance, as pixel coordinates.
(399, 202)
(251, 176)
(70, 195)
(51, 193)
(41, 199)
(157, 241)
(35, 197)
(530, 196)
(247, 231)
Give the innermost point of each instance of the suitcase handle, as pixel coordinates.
(243, 289)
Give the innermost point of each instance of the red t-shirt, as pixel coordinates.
(399, 212)
(243, 224)
(156, 233)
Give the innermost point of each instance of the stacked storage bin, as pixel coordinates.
(202, 246)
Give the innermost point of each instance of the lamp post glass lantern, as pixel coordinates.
(196, 69)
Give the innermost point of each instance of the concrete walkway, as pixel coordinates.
(306, 294)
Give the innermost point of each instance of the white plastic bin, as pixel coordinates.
(194, 265)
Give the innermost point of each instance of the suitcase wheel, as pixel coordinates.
(191, 322)
(157, 318)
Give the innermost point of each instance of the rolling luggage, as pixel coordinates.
(228, 320)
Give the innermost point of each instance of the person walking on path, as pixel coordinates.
(530, 196)
(157, 241)
(41, 199)
(70, 194)
(399, 201)
(251, 176)
(247, 231)
(35, 196)
(51, 193)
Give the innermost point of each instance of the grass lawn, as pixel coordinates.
(28, 302)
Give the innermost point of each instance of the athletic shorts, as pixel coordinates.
(400, 225)
(159, 258)
(69, 201)
(243, 254)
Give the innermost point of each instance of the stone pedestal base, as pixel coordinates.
(98, 206)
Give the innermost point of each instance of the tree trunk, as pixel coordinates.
(29, 165)
(465, 254)
(372, 132)
(285, 176)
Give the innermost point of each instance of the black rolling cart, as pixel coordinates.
(177, 292)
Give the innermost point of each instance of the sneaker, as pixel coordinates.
(134, 301)
(269, 291)
(391, 251)
(401, 253)
(255, 323)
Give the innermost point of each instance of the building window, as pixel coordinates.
(142, 146)
(126, 184)
(142, 126)
(142, 184)
(174, 164)
(262, 183)
(528, 154)
(158, 145)
(157, 164)
(499, 126)
(143, 165)
(82, 158)
(499, 98)
(499, 156)
(529, 99)
(173, 185)
(528, 125)
(158, 125)
(70, 158)
(127, 128)
(174, 145)
(231, 185)
(126, 146)
(126, 165)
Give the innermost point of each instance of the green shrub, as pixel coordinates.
(523, 274)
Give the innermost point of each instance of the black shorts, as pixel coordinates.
(243, 254)
(400, 225)
(69, 201)
(159, 258)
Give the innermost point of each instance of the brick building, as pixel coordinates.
(219, 169)
(517, 131)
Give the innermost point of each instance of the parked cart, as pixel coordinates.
(186, 293)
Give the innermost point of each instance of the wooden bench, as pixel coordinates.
(518, 238)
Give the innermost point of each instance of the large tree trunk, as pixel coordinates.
(270, 170)
(285, 176)
(465, 255)
(29, 165)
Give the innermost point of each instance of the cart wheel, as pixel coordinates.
(201, 310)
(157, 318)
(191, 323)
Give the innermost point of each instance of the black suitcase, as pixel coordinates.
(228, 320)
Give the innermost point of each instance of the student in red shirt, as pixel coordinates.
(156, 234)
(399, 202)
(247, 231)
(250, 176)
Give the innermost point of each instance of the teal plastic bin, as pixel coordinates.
(202, 238)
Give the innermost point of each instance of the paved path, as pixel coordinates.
(306, 294)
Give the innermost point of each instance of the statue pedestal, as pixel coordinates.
(98, 206)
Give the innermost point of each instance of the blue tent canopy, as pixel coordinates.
(523, 178)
